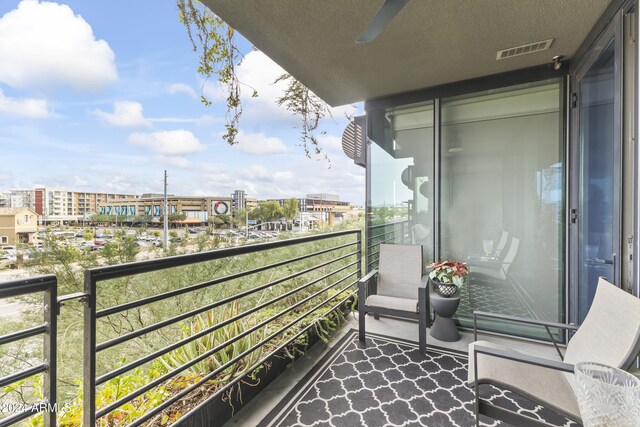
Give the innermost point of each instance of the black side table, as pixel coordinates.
(444, 328)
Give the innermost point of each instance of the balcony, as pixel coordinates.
(432, 384)
(194, 338)
(170, 330)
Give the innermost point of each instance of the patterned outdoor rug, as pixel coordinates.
(391, 384)
(496, 298)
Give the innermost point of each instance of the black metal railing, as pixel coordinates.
(328, 271)
(19, 411)
(393, 232)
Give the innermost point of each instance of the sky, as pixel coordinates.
(104, 95)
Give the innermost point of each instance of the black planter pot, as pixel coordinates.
(444, 289)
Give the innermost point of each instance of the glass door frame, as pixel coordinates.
(613, 33)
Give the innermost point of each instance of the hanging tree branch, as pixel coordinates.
(298, 99)
(220, 58)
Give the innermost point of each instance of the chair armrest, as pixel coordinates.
(519, 357)
(544, 323)
(423, 297)
(367, 277)
(424, 282)
(483, 261)
(480, 313)
(364, 285)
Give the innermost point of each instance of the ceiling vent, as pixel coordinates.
(524, 49)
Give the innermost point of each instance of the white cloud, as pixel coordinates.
(43, 44)
(177, 161)
(176, 88)
(79, 181)
(260, 72)
(168, 142)
(330, 142)
(125, 114)
(254, 172)
(32, 108)
(283, 176)
(259, 143)
(206, 120)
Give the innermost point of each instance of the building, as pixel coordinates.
(5, 200)
(240, 201)
(23, 199)
(17, 226)
(196, 209)
(18, 199)
(59, 205)
(498, 129)
(320, 207)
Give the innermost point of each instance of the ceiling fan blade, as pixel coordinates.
(387, 11)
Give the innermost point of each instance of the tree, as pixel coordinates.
(267, 211)
(217, 46)
(290, 208)
(241, 217)
(177, 216)
(120, 250)
(221, 220)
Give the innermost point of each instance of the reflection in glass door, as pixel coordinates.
(598, 200)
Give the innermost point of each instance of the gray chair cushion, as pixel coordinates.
(393, 303)
(608, 335)
(547, 385)
(400, 270)
(610, 329)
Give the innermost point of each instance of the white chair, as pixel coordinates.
(397, 288)
(610, 334)
(497, 270)
(502, 243)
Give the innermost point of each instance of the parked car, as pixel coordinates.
(10, 250)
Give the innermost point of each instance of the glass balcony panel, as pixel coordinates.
(401, 179)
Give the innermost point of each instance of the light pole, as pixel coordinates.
(165, 240)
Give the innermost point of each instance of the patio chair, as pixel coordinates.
(502, 243)
(496, 270)
(397, 288)
(610, 334)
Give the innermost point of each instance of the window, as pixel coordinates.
(4, 240)
(500, 191)
(401, 178)
(26, 219)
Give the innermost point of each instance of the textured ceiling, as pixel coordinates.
(430, 42)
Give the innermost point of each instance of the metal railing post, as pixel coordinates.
(89, 354)
(359, 250)
(50, 354)
(47, 285)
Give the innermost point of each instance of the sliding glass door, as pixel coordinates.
(502, 200)
(596, 210)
